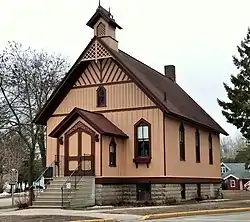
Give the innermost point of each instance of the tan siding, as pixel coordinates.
(120, 153)
(126, 95)
(126, 121)
(190, 168)
(52, 142)
(101, 71)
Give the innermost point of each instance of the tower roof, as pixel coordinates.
(102, 13)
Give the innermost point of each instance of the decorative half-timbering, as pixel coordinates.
(102, 71)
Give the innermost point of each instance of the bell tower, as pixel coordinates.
(104, 26)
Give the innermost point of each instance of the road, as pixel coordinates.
(239, 217)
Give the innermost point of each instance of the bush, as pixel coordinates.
(170, 201)
(23, 202)
(2, 186)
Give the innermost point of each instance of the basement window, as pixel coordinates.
(143, 192)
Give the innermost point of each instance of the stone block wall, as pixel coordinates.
(161, 194)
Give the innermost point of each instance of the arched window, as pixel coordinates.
(112, 153)
(210, 142)
(142, 142)
(182, 142)
(100, 29)
(101, 96)
(197, 146)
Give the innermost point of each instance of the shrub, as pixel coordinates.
(170, 201)
(23, 202)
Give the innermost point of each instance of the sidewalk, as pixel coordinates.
(36, 212)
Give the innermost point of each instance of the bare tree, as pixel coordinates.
(28, 78)
(12, 154)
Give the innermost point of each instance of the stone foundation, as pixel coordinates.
(161, 194)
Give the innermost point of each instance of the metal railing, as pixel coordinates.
(73, 179)
(53, 170)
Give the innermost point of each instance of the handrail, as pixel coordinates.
(32, 195)
(70, 176)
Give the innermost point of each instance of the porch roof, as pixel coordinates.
(98, 121)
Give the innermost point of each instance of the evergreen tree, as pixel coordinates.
(237, 109)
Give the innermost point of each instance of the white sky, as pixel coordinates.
(199, 37)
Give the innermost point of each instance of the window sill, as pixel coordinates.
(142, 160)
(112, 165)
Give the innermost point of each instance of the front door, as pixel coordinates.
(79, 151)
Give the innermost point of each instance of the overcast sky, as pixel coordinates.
(199, 37)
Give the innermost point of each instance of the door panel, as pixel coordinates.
(79, 158)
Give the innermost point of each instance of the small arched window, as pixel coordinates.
(101, 30)
(101, 96)
(197, 146)
(182, 142)
(112, 153)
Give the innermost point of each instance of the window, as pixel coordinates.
(182, 142)
(197, 146)
(210, 142)
(183, 191)
(143, 192)
(232, 183)
(100, 29)
(142, 148)
(101, 96)
(223, 169)
(112, 153)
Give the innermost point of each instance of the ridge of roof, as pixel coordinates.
(168, 81)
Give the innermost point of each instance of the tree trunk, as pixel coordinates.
(41, 143)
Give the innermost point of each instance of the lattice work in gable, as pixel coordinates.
(95, 52)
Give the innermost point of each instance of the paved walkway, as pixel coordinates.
(32, 212)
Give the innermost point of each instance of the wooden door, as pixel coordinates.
(79, 153)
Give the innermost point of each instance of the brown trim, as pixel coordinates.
(113, 110)
(103, 84)
(79, 128)
(97, 96)
(156, 180)
(182, 148)
(164, 146)
(105, 36)
(98, 77)
(111, 72)
(142, 159)
(101, 155)
(57, 150)
(127, 109)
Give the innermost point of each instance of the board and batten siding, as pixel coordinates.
(119, 94)
(189, 167)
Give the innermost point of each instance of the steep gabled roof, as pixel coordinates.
(179, 104)
(99, 122)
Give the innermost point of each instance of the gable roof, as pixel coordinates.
(154, 84)
(237, 170)
(99, 122)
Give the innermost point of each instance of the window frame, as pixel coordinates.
(138, 159)
(182, 143)
(197, 146)
(210, 149)
(99, 90)
(224, 169)
(112, 155)
(233, 182)
(98, 29)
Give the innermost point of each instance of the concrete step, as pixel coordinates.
(45, 207)
(50, 202)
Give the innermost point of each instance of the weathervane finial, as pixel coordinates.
(99, 2)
